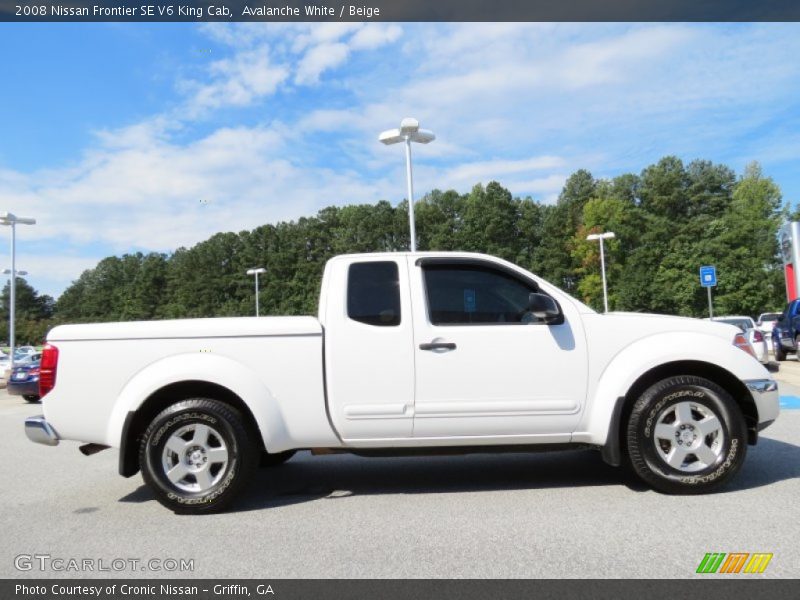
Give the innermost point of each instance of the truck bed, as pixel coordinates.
(188, 328)
(106, 369)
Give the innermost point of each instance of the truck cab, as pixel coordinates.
(427, 346)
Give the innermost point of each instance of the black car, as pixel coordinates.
(24, 381)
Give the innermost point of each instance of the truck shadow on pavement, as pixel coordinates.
(306, 478)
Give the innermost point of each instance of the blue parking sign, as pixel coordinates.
(708, 276)
(470, 301)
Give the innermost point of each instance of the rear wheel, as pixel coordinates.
(31, 398)
(686, 435)
(197, 455)
(780, 353)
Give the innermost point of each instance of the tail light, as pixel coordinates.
(758, 336)
(47, 369)
(741, 342)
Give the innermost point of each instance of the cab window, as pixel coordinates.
(474, 295)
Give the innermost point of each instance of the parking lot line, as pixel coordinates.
(790, 403)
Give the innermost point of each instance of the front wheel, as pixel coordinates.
(30, 398)
(197, 455)
(780, 353)
(686, 435)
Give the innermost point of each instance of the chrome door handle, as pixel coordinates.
(437, 346)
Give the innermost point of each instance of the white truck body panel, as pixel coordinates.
(274, 364)
(642, 342)
(370, 370)
(336, 382)
(502, 379)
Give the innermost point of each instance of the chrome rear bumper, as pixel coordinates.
(39, 430)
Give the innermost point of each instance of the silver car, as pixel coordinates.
(754, 335)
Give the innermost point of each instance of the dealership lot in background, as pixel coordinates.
(563, 514)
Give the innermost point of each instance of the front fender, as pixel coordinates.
(211, 368)
(635, 360)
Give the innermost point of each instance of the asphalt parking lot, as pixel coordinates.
(550, 515)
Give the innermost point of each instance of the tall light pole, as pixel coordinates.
(11, 220)
(602, 236)
(257, 271)
(408, 132)
(20, 274)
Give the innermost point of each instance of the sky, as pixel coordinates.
(133, 137)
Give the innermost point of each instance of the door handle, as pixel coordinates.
(437, 346)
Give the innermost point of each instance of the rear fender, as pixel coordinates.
(220, 370)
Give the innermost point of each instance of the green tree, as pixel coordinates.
(668, 220)
(554, 258)
(749, 270)
(31, 310)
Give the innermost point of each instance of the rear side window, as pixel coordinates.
(373, 293)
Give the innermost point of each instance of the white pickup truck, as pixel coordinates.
(410, 353)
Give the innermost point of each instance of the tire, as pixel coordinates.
(780, 353)
(31, 398)
(678, 415)
(209, 450)
(273, 460)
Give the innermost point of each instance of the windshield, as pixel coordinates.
(769, 317)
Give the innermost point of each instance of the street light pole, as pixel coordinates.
(710, 306)
(12, 286)
(256, 271)
(410, 184)
(12, 302)
(602, 236)
(408, 132)
(11, 220)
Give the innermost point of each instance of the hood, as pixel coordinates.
(633, 326)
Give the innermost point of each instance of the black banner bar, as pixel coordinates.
(400, 10)
(743, 586)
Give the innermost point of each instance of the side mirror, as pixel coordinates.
(543, 307)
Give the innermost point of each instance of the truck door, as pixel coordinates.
(484, 365)
(369, 358)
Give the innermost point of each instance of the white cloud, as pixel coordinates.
(375, 35)
(544, 189)
(313, 49)
(326, 48)
(524, 104)
(51, 274)
(312, 35)
(149, 196)
(318, 59)
(238, 81)
(619, 58)
(467, 174)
